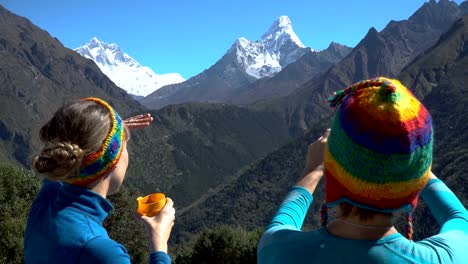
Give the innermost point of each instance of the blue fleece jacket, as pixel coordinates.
(284, 242)
(65, 226)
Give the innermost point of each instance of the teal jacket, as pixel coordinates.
(65, 226)
(284, 242)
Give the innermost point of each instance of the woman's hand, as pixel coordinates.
(316, 153)
(159, 227)
(138, 121)
(313, 170)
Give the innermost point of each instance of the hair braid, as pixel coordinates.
(324, 215)
(58, 159)
(409, 225)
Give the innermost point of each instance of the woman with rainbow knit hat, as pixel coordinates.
(377, 161)
(84, 160)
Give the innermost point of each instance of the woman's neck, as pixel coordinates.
(353, 228)
(101, 187)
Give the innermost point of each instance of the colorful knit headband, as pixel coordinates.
(99, 163)
(379, 152)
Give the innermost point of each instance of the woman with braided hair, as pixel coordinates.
(376, 160)
(84, 160)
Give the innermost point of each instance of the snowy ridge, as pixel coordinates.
(125, 71)
(278, 47)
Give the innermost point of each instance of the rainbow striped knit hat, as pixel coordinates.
(100, 162)
(379, 151)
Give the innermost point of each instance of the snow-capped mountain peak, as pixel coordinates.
(278, 47)
(125, 71)
(281, 31)
(93, 43)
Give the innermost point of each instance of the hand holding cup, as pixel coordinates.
(151, 204)
(158, 222)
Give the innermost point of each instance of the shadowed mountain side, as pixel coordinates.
(379, 53)
(292, 76)
(464, 7)
(211, 85)
(261, 188)
(191, 148)
(440, 76)
(430, 67)
(37, 75)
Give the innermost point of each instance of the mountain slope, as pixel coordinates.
(37, 75)
(192, 148)
(125, 71)
(440, 76)
(464, 7)
(259, 189)
(244, 63)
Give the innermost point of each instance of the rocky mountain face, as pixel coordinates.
(438, 77)
(383, 53)
(125, 71)
(37, 75)
(244, 63)
(290, 77)
(278, 47)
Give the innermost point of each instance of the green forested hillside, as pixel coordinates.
(255, 195)
(191, 148)
(224, 244)
(17, 190)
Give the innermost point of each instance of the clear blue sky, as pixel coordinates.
(188, 36)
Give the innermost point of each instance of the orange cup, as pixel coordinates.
(151, 204)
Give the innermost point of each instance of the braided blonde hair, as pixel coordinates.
(58, 160)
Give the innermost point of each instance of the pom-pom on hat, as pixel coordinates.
(379, 151)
